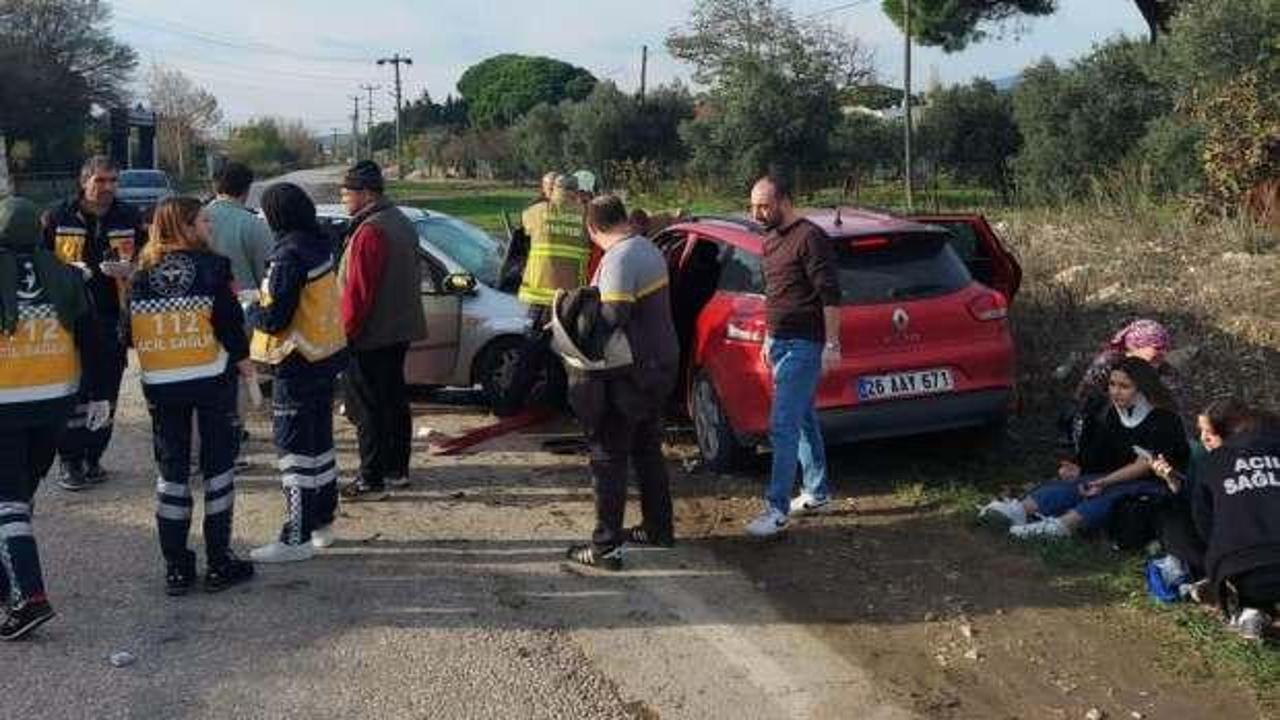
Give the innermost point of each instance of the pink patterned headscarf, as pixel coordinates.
(1141, 334)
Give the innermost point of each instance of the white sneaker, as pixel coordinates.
(1047, 528)
(278, 552)
(768, 523)
(1007, 508)
(398, 483)
(322, 537)
(806, 504)
(1251, 623)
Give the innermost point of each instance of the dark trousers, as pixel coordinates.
(1258, 588)
(533, 359)
(1179, 536)
(379, 406)
(618, 442)
(302, 424)
(171, 437)
(25, 457)
(78, 443)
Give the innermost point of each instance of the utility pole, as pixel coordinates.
(333, 147)
(395, 60)
(906, 102)
(355, 128)
(368, 119)
(644, 68)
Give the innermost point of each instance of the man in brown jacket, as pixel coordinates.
(381, 314)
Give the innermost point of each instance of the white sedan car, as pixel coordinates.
(474, 331)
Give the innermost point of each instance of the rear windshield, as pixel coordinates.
(142, 180)
(909, 267)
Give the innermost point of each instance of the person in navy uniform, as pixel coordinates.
(183, 319)
(100, 235)
(49, 344)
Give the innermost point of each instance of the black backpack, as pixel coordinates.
(1135, 521)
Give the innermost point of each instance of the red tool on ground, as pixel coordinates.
(528, 418)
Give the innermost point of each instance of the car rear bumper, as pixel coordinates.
(914, 416)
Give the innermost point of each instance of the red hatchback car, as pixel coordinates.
(925, 329)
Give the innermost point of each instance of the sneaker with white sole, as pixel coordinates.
(1007, 508)
(398, 483)
(1251, 623)
(768, 523)
(322, 537)
(806, 504)
(1047, 528)
(278, 552)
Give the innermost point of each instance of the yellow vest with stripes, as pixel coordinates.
(316, 329)
(175, 340)
(558, 252)
(39, 361)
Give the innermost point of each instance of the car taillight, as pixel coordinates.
(989, 306)
(746, 329)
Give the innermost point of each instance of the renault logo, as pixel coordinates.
(901, 320)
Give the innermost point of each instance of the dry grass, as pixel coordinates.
(1090, 270)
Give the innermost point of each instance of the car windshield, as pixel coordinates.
(467, 245)
(142, 180)
(902, 268)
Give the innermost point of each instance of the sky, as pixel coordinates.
(306, 59)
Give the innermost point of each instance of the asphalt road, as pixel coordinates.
(448, 600)
(320, 183)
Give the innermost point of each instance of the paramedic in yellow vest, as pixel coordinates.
(47, 335)
(558, 253)
(183, 319)
(99, 234)
(297, 330)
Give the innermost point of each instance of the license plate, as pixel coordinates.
(905, 384)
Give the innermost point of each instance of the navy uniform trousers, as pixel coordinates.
(79, 444)
(25, 456)
(171, 416)
(302, 425)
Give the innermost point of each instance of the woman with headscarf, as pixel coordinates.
(298, 331)
(187, 327)
(1114, 461)
(48, 343)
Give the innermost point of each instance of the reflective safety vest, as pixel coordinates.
(558, 252)
(174, 339)
(315, 331)
(69, 242)
(39, 361)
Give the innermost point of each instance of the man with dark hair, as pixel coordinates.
(624, 430)
(802, 310)
(101, 235)
(381, 314)
(239, 234)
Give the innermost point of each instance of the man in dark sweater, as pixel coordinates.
(1237, 510)
(381, 313)
(802, 307)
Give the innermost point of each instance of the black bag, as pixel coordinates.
(1135, 521)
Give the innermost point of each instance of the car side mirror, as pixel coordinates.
(461, 283)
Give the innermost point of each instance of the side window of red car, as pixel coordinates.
(741, 273)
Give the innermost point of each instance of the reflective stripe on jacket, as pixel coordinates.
(558, 252)
(316, 328)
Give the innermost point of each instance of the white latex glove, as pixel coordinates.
(248, 297)
(84, 269)
(97, 415)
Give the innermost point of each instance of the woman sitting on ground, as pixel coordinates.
(1143, 338)
(1141, 414)
(1236, 504)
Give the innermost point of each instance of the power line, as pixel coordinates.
(219, 65)
(835, 9)
(199, 35)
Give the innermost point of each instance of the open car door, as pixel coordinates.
(431, 361)
(988, 260)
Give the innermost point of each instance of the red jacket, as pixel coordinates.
(368, 259)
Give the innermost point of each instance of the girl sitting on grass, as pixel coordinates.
(1109, 465)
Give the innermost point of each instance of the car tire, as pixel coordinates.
(495, 366)
(719, 447)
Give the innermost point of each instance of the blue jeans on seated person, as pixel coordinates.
(793, 421)
(1057, 497)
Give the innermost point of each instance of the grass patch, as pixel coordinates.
(481, 204)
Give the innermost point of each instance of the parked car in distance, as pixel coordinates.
(926, 338)
(144, 189)
(474, 332)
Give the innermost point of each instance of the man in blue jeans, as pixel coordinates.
(802, 307)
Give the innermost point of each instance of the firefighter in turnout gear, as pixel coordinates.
(99, 234)
(183, 319)
(298, 331)
(559, 251)
(48, 334)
